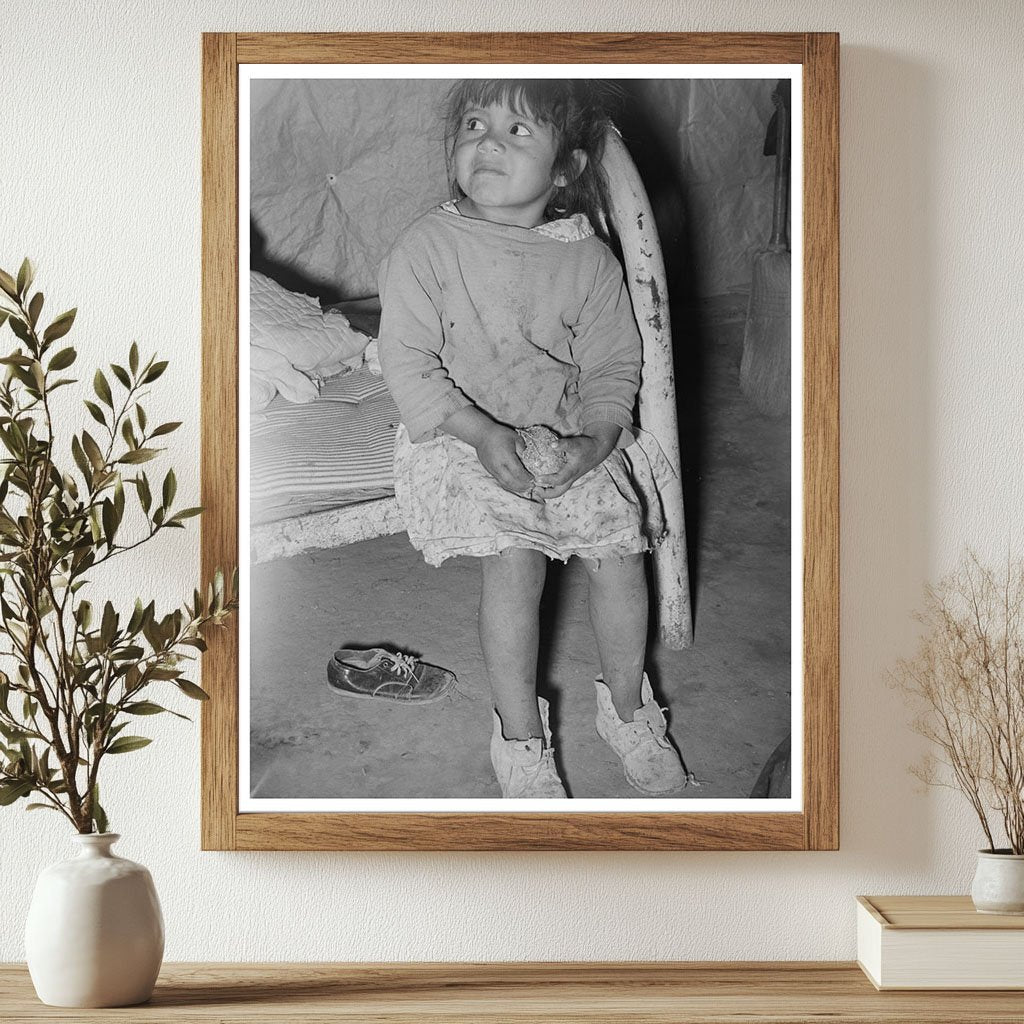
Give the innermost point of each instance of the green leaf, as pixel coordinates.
(165, 428)
(185, 513)
(60, 326)
(154, 371)
(20, 328)
(125, 744)
(26, 273)
(4, 314)
(95, 711)
(133, 358)
(63, 359)
(8, 284)
(109, 521)
(34, 308)
(139, 455)
(170, 487)
(145, 498)
(116, 730)
(84, 615)
(119, 499)
(102, 388)
(164, 673)
(12, 733)
(95, 412)
(80, 459)
(15, 790)
(92, 449)
(138, 614)
(108, 627)
(99, 817)
(10, 442)
(41, 807)
(121, 374)
(143, 707)
(191, 690)
(140, 415)
(128, 433)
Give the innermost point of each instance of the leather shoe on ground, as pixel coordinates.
(382, 675)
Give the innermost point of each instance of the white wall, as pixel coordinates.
(99, 182)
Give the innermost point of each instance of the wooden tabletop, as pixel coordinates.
(639, 993)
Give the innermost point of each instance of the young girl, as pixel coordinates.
(501, 310)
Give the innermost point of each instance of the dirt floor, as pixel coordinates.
(728, 697)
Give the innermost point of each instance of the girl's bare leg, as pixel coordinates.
(618, 613)
(510, 593)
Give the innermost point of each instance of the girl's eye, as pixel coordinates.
(520, 129)
(474, 124)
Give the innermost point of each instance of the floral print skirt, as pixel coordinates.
(452, 506)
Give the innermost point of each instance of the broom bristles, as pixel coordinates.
(765, 369)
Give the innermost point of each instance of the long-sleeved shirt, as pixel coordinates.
(529, 325)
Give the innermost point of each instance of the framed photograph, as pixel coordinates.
(520, 419)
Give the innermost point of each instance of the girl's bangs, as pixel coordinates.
(533, 98)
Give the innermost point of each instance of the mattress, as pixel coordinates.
(332, 452)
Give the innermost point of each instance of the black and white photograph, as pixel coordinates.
(518, 486)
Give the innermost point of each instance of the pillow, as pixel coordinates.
(292, 343)
(271, 369)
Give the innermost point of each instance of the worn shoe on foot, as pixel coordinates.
(379, 674)
(651, 763)
(526, 768)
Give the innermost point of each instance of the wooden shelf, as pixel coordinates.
(630, 993)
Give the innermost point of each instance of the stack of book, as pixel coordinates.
(938, 942)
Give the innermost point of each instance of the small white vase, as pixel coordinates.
(999, 882)
(95, 934)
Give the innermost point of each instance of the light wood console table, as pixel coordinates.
(620, 993)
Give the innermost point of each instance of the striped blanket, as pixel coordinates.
(334, 451)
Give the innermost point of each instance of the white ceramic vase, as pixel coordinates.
(95, 934)
(999, 882)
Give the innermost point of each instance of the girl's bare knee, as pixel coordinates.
(617, 565)
(514, 567)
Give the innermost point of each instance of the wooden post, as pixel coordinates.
(633, 219)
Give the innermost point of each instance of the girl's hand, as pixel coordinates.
(497, 447)
(498, 451)
(583, 452)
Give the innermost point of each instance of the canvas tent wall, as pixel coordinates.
(339, 167)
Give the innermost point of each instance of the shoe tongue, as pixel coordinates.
(650, 714)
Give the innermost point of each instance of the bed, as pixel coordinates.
(320, 466)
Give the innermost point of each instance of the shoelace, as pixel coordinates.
(545, 771)
(640, 731)
(403, 664)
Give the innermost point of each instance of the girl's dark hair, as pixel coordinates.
(573, 108)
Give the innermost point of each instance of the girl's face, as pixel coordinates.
(503, 163)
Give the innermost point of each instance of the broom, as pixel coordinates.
(765, 366)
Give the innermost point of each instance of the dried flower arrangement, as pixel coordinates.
(968, 678)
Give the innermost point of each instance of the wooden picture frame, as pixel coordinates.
(816, 825)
